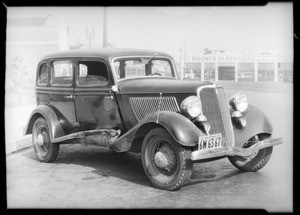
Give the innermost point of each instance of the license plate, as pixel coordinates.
(210, 142)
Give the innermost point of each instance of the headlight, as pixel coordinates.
(239, 102)
(192, 106)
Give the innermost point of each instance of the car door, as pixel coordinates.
(61, 93)
(95, 102)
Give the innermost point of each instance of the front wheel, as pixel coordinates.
(45, 150)
(166, 163)
(256, 160)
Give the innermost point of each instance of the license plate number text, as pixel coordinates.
(210, 142)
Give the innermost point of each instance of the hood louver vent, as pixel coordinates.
(144, 106)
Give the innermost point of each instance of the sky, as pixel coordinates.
(172, 29)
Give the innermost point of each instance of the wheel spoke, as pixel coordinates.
(166, 161)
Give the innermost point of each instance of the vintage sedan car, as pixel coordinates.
(132, 100)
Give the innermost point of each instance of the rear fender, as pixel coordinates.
(53, 122)
(179, 127)
(257, 122)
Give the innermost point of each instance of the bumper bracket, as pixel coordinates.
(234, 151)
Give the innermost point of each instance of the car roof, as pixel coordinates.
(106, 53)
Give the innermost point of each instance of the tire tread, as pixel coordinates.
(53, 149)
(185, 153)
(264, 155)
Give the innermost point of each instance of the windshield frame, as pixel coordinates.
(156, 57)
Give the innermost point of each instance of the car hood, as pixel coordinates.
(157, 85)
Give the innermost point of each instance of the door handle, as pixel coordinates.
(109, 97)
(70, 97)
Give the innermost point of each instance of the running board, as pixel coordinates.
(107, 135)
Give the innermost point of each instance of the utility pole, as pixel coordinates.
(90, 34)
(105, 28)
(180, 64)
(184, 52)
(184, 70)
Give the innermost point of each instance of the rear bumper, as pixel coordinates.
(232, 151)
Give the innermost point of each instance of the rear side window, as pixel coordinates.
(93, 73)
(43, 75)
(62, 73)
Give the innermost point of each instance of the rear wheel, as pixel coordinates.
(45, 150)
(166, 163)
(256, 160)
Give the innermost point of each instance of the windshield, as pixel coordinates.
(143, 66)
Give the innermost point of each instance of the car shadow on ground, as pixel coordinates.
(213, 171)
(212, 178)
(128, 166)
(104, 162)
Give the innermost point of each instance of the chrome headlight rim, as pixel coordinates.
(191, 106)
(239, 102)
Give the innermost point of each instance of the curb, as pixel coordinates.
(18, 144)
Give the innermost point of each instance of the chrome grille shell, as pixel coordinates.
(144, 106)
(216, 109)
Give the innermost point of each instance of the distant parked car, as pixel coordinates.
(132, 100)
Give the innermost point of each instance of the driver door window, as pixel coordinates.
(92, 73)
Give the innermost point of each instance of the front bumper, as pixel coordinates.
(234, 151)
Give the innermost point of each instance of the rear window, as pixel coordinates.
(43, 75)
(62, 73)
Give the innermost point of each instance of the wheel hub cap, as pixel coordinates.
(160, 160)
(164, 157)
(40, 140)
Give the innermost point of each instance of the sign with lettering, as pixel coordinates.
(220, 58)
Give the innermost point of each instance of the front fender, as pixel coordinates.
(55, 127)
(180, 128)
(257, 122)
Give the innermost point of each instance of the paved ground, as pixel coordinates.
(95, 177)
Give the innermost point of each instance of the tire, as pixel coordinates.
(158, 150)
(45, 150)
(255, 161)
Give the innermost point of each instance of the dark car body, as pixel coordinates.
(119, 112)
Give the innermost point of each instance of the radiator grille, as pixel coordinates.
(144, 106)
(215, 108)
